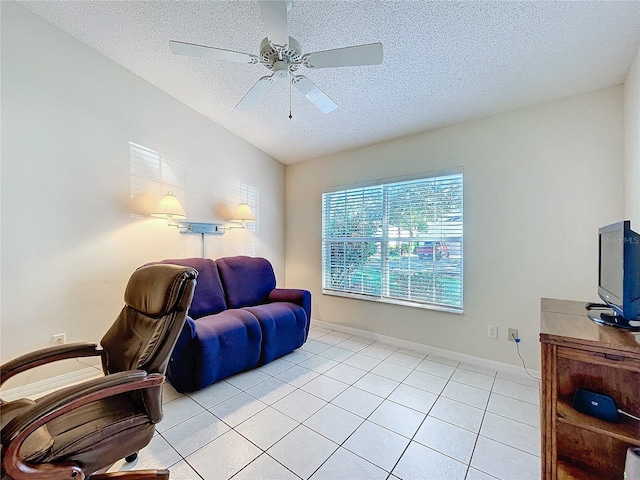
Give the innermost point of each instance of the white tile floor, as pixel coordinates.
(344, 408)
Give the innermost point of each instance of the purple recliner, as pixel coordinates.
(238, 320)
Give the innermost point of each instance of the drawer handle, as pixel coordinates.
(616, 358)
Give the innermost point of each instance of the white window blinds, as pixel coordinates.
(397, 242)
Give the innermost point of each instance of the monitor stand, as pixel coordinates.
(613, 320)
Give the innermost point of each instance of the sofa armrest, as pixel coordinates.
(292, 295)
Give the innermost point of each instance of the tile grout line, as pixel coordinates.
(473, 450)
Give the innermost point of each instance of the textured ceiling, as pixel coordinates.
(444, 62)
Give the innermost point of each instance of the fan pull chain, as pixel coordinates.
(290, 82)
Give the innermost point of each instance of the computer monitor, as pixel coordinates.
(619, 276)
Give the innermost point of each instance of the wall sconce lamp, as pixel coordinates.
(169, 207)
(243, 214)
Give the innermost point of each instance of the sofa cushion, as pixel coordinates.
(182, 359)
(208, 297)
(215, 347)
(284, 328)
(247, 281)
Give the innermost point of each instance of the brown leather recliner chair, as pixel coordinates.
(80, 431)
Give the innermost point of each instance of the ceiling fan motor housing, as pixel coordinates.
(282, 55)
(291, 56)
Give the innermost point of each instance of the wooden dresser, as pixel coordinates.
(578, 353)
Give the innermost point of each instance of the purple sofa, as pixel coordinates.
(238, 320)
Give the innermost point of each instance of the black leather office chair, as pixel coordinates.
(80, 431)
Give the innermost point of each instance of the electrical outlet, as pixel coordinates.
(513, 334)
(60, 339)
(492, 331)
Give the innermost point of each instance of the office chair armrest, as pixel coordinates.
(47, 355)
(58, 403)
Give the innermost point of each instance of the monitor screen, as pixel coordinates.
(618, 277)
(611, 265)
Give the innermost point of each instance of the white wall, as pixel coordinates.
(538, 183)
(632, 144)
(69, 243)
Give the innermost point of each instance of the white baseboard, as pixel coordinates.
(39, 388)
(426, 349)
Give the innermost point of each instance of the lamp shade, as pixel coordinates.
(169, 207)
(243, 214)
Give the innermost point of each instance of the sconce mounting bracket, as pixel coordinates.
(202, 228)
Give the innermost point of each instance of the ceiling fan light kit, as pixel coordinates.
(282, 55)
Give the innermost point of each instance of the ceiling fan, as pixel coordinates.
(282, 54)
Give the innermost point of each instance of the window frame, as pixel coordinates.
(385, 240)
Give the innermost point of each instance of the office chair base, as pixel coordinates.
(133, 475)
(131, 457)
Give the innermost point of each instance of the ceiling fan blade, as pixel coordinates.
(314, 94)
(251, 98)
(193, 50)
(274, 15)
(369, 54)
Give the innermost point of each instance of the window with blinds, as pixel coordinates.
(396, 242)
